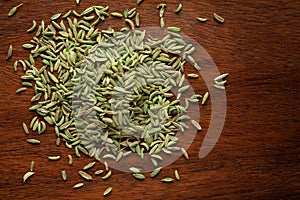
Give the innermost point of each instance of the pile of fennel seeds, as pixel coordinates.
(61, 46)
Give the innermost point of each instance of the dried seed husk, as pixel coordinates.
(218, 18)
(9, 52)
(167, 180)
(85, 175)
(179, 8)
(155, 172)
(27, 176)
(54, 158)
(177, 175)
(64, 175)
(196, 125)
(78, 185)
(200, 19)
(89, 165)
(25, 128)
(205, 97)
(33, 141)
(139, 176)
(107, 191)
(14, 10)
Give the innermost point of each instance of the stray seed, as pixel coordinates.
(25, 128)
(33, 141)
(193, 75)
(201, 19)
(167, 180)
(27, 175)
(21, 90)
(107, 175)
(98, 172)
(155, 172)
(55, 16)
(116, 14)
(64, 175)
(88, 166)
(32, 28)
(220, 87)
(218, 18)
(139, 176)
(138, 2)
(77, 2)
(179, 8)
(185, 154)
(31, 166)
(137, 19)
(70, 159)
(9, 52)
(220, 77)
(135, 170)
(53, 158)
(174, 29)
(85, 175)
(177, 175)
(27, 46)
(131, 24)
(78, 185)
(14, 10)
(196, 125)
(107, 191)
(205, 98)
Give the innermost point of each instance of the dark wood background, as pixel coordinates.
(257, 155)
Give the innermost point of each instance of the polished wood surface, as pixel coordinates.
(257, 155)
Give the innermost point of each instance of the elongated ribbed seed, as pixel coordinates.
(53, 158)
(221, 77)
(107, 175)
(167, 180)
(32, 28)
(139, 176)
(55, 16)
(64, 175)
(205, 97)
(85, 175)
(9, 52)
(155, 172)
(218, 18)
(89, 165)
(138, 2)
(184, 153)
(78, 185)
(14, 10)
(33, 141)
(179, 8)
(135, 170)
(200, 19)
(116, 14)
(32, 166)
(99, 172)
(25, 128)
(177, 175)
(196, 125)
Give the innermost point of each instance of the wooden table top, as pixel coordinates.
(257, 155)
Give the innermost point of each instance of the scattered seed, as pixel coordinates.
(135, 170)
(70, 159)
(77, 2)
(155, 172)
(196, 125)
(78, 185)
(116, 14)
(99, 172)
(27, 176)
(14, 10)
(107, 191)
(33, 141)
(139, 176)
(167, 180)
(179, 8)
(31, 166)
(177, 175)
(184, 153)
(85, 175)
(218, 18)
(27, 46)
(205, 98)
(64, 175)
(32, 28)
(201, 19)
(174, 29)
(88, 166)
(9, 52)
(138, 2)
(55, 16)
(193, 75)
(221, 77)
(25, 128)
(220, 87)
(53, 158)
(107, 175)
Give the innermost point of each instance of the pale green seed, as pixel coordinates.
(205, 97)
(85, 175)
(139, 176)
(27, 46)
(54, 158)
(55, 16)
(116, 14)
(64, 175)
(107, 191)
(33, 141)
(32, 28)
(174, 29)
(201, 19)
(27, 176)
(193, 75)
(25, 128)
(131, 24)
(135, 170)
(196, 125)
(107, 175)
(179, 8)
(177, 175)
(77, 2)
(9, 52)
(70, 159)
(155, 172)
(14, 10)
(184, 153)
(220, 87)
(99, 172)
(78, 185)
(167, 180)
(138, 2)
(32, 166)
(89, 165)
(218, 18)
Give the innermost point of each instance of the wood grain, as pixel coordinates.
(257, 155)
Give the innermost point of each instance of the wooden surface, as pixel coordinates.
(257, 155)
